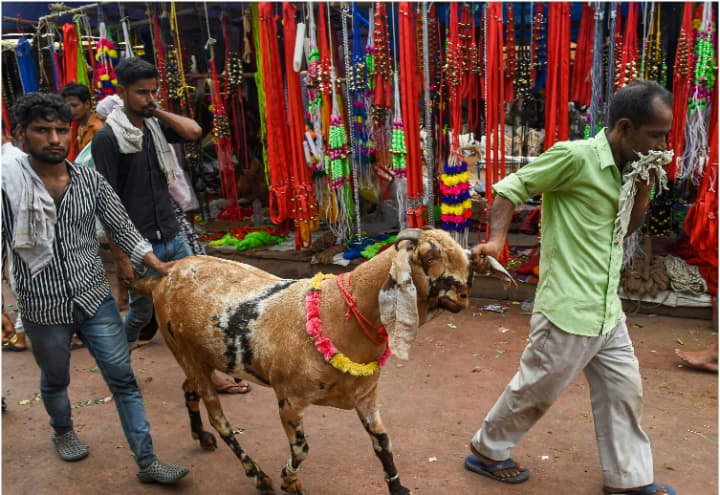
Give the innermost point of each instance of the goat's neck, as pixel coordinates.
(365, 284)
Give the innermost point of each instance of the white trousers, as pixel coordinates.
(551, 361)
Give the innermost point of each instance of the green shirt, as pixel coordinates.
(579, 260)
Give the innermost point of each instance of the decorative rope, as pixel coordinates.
(429, 131)
(558, 74)
(681, 90)
(221, 132)
(596, 72)
(350, 85)
(584, 55)
(409, 96)
(684, 277)
(628, 66)
(276, 125)
(610, 79)
(303, 208)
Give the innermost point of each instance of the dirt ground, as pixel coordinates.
(431, 406)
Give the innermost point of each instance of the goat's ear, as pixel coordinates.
(398, 303)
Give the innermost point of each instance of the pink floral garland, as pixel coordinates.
(325, 345)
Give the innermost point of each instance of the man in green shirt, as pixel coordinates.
(577, 322)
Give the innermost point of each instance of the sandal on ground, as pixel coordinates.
(76, 343)
(11, 345)
(69, 447)
(160, 472)
(651, 489)
(226, 384)
(474, 464)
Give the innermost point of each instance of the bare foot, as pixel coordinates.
(706, 360)
(502, 473)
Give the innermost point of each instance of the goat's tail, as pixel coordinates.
(145, 285)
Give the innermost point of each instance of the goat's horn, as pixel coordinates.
(412, 235)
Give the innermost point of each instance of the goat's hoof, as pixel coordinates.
(207, 441)
(264, 484)
(292, 486)
(398, 489)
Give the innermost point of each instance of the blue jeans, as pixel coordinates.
(104, 336)
(140, 309)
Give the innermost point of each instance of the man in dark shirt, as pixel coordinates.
(125, 151)
(48, 223)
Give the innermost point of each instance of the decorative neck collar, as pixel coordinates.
(325, 346)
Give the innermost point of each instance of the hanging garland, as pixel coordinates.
(596, 72)
(105, 60)
(558, 74)
(381, 87)
(409, 94)
(681, 90)
(696, 152)
(627, 69)
(655, 66)
(455, 205)
(221, 132)
(303, 208)
(336, 162)
(580, 91)
(276, 119)
(398, 152)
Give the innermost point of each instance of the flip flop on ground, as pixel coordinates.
(226, 384)
(651, 489)
(474, 464)
(12, 345)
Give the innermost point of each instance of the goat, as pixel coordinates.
(259, 327)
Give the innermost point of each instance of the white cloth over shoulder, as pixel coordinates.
(130, 140)
(34, 213)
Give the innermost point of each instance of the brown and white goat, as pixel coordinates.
(252, 325)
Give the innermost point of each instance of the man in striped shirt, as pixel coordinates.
(48, 222)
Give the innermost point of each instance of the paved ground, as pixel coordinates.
(431, 406)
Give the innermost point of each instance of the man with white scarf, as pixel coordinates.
(133, 153)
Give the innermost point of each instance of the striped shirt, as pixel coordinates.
(75, 276)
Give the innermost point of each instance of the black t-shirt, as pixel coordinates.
(139, 181)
